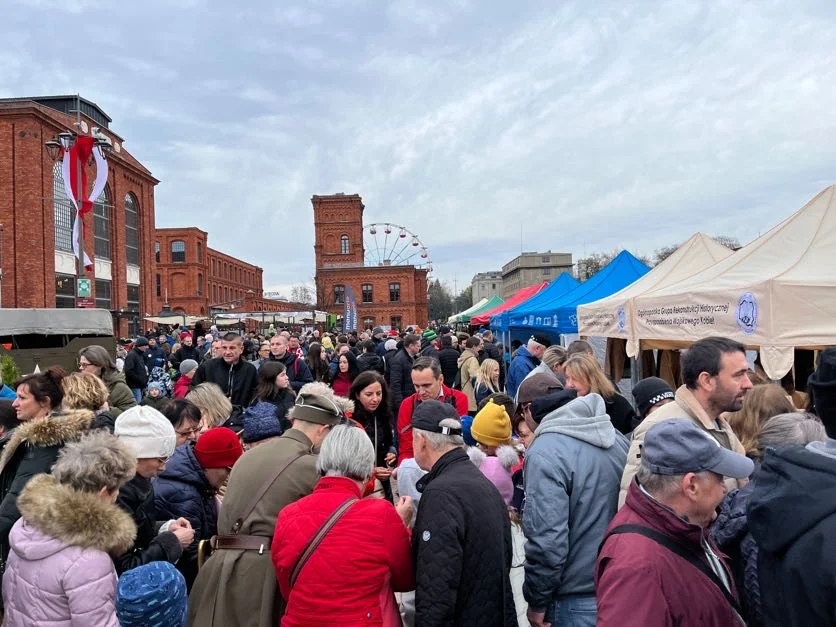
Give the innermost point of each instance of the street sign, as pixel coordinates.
(84, 288)
(85, 303)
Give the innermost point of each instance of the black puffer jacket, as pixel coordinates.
(792, 516)
(731, 533)
(184, 353)
(370, 361)
(449, 360)
(182, 490)
(136, 369)
(400, 379)
(137, 498)
(461, 547)
(238, 382)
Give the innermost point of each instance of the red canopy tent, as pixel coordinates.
(519, 297)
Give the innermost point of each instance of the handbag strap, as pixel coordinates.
(258, 494)
(683, 552)
(317, 539)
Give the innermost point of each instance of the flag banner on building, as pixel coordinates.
(350, 310)
(75, 158)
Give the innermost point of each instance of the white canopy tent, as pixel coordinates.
(456, 317)
(778, 293)
(614, 316)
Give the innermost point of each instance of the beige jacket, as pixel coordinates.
(685, 406)
(468, 368)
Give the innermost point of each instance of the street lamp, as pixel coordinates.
(56, 148)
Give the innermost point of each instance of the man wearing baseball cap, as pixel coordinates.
(527, 359)
(657, 563)
(461, 543)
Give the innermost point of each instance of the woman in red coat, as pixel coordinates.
(350, 576)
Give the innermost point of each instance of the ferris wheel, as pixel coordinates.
(394, 245)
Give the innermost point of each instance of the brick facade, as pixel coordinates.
(339, 253)
(198, 280)
(34, 266)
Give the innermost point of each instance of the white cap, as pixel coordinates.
(146, 431)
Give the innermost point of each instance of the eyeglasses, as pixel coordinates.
(83, 364)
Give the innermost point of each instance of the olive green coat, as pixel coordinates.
(237, 587)
(120, 396)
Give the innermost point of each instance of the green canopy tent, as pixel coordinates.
(482, 306)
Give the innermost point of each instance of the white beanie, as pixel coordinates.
(390, 345)
(146, 431)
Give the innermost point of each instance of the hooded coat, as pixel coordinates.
(572, 473)
(182, 490)
(32, 450)
(371, 361)
(59, 570)
(792, 516)
(136, 369)
(468, 365)
(523, 363)
(461, 546)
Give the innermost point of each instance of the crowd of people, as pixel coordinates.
(423, 477)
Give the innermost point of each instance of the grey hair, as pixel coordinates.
(346, 452)
(98, 356)
(788, 430)
(661, 487)
(437, 441)
(209, 398)
(99, 460)
(554, 355)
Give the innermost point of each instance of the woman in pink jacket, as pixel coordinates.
(60, 571)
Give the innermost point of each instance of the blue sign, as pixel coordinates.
(350, 310)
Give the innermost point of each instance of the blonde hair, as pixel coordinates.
(760, 404)
(585, 368)
(484, 375)
(214, 407)
(554, 355)
(83, 390)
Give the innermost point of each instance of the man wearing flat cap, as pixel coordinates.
(461, 543)
(237, 585)
(657, 564)
(527, 359)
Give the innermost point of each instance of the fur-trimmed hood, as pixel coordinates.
(65, 426)
(507, 456)
(55, 515)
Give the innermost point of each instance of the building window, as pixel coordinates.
(339, 294)
(394, 292)
(157, 252)
(132, 231)
(493, 286)
(101, 227)
(133, 305)
(178, 251)
(199, 252)
(547, 271)
(62, 210)
(64, 291)
(103, 299)
(368, 323)
(226, 293)
(395, 322)
(344, 247)
(368, 293)
(545, 259)
(200, 284)
(159, 286)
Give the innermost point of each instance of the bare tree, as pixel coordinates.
(663, 253)
(301, 294)
(728, 241)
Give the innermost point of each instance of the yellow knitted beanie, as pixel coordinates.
(492, 425)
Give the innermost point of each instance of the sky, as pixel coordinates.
(482, 126)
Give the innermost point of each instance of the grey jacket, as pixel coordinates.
(572, 474)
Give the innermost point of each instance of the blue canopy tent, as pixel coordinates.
(554, 290)
(557, 315)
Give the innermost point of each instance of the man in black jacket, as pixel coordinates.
(135, 370)
(448, 357)
(298, 372)
(186, 351)
(236, 377)
(369, 359)
(461, 544)
(400, 372)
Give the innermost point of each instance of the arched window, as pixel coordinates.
(394, 292)
(344, 246)
(157, 252)
(101, 227)
(62, 212)
(199, 283)
(199, 252)
(132, 230)
(215, 293)
(339, 294)
(368, 293)
(178, 251)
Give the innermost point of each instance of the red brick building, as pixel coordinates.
(391, 295)
(197, 280)
(36, 258)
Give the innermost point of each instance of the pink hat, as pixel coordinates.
(497, 469)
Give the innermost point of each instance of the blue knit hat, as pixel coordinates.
(260, 422)
(153, 595)
(467, 423)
